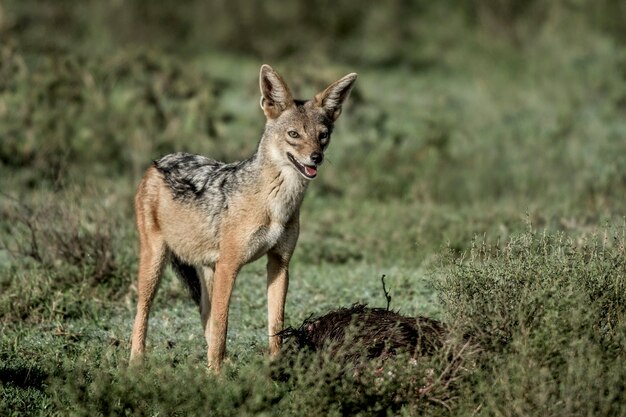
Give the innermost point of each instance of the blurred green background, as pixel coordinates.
(495, 109)
(458, 103)
(470, 120)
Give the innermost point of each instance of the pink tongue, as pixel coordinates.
(310, 171)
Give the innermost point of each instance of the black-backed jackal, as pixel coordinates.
(210, 218)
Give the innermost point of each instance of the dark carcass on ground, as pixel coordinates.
(358, 333)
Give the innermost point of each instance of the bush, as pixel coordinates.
(549, 314)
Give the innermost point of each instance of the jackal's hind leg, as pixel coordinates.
(153, 254)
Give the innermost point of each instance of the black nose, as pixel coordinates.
(317, 158)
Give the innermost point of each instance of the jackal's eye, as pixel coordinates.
(324, 135)
(293, 134)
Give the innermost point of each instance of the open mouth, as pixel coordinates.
(309, 171)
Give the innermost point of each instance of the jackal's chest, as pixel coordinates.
(263, 238)
(266, 221)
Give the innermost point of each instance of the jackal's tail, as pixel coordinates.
(188, 274)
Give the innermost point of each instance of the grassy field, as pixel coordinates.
(479, 165)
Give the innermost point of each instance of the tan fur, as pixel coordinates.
(262, 219)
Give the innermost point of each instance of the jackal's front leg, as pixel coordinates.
(277, 284)
(206, 288)
(223, 282)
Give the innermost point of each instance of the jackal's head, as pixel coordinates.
(298, 132)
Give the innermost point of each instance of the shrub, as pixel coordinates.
(550, 316)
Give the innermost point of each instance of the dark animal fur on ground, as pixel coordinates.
(359, 333)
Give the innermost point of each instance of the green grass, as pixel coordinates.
(478, 165)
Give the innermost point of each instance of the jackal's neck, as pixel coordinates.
(278, 183)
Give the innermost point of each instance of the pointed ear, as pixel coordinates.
(335, 94)
(275, 95)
